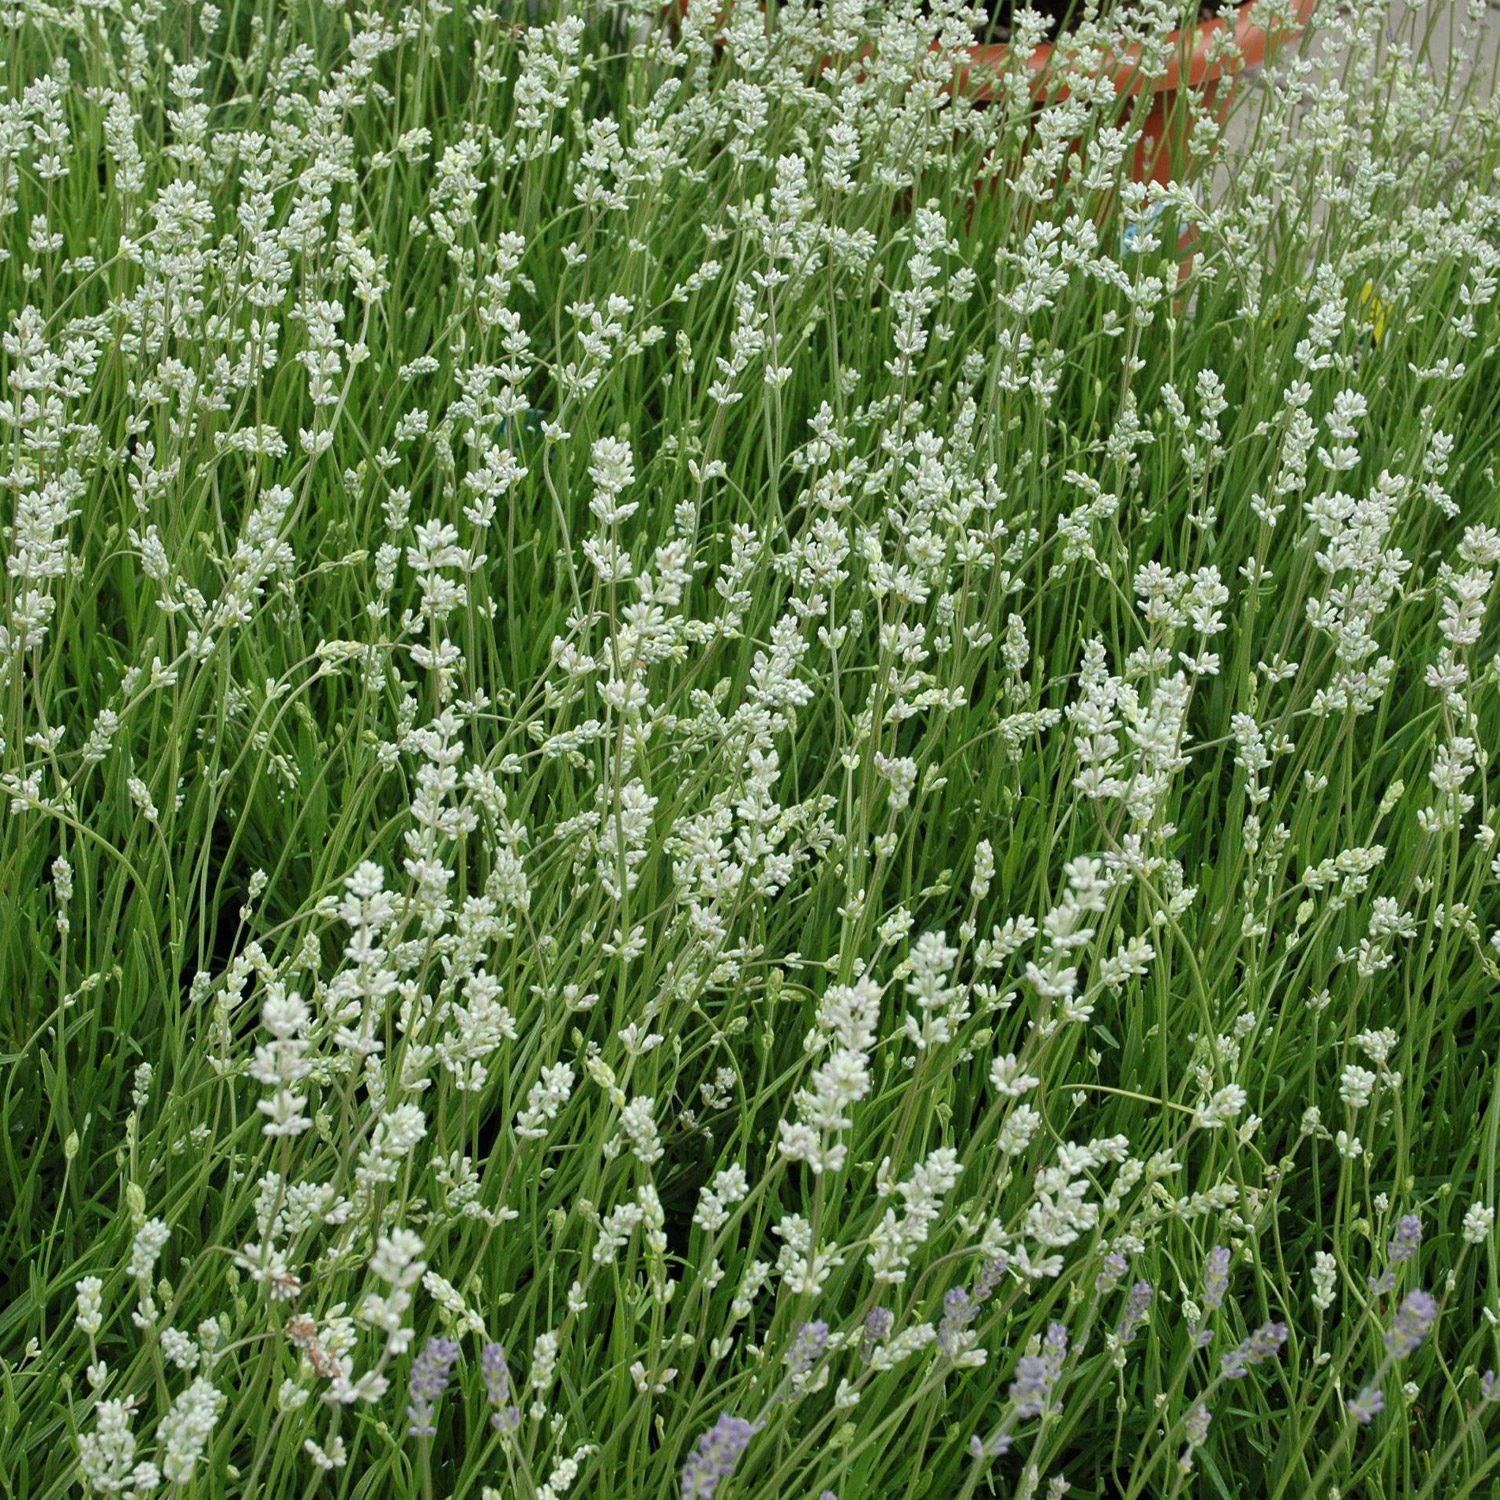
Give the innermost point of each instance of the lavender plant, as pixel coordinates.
(712, 789)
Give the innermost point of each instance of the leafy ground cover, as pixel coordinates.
(704, 797)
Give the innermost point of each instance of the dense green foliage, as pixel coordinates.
(665, 703)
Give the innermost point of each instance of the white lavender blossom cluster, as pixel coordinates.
(727, 774)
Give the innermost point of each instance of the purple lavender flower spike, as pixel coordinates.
(1414, 1318)
(1195, 1430)
(877, 1326)
(1137, 1305)
(1029, 1389)
(1036, 1374)
(1368, 1405)
(1196, 1426)
(429, 1379)
(991, 1274)
(496, 1374)
(1055, 1347)
(713, 1460)
(807, 1348)
(1216, 1277)
(1265, 1343)
(1115, 1267)
(959, 1310)
(1407, 1238)
(996, 1446)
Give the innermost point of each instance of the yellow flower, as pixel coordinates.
(1376, 310)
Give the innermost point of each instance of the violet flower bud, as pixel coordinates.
(1036, 1374)
(1407, 1238)
(1265, 1343)
(959, 1310)
(1137, 1306)
(429, 1379)
(991, 1274)
(1115, 1267)
(1216, 1277)
(807, 1348)
(496, 1372)
(714, 1457)
(1414, 1318)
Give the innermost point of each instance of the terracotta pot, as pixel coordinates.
(1162, 153)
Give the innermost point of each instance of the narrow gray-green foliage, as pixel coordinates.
(724, 776)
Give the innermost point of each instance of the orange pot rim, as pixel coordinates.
(1254, 42)
(1193, 46)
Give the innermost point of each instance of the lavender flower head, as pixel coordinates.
(1029, 1390)
(1368, 1405)
(1195, 1429)
(1036, 1374)
(1196, 1425)
(1407, 1238)
(1115, 1267)
(1265, 1343)
(714, 1458)
(429, 1379)
(1055, 1346)
(957, 1304)
(959, 1310)
(1216, 1277)
(961, 1307)
(496, 1373)
(995, 1446)
(807, 1348)
(1414, 1318)
(1137, 1305)
(877, 1326)
(991, 1274)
